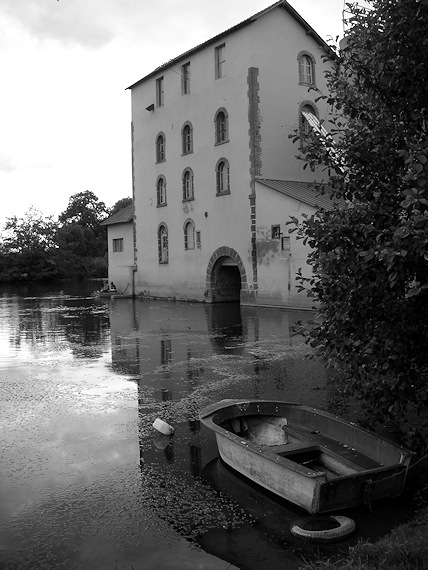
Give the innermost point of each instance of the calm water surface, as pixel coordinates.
(85, 480)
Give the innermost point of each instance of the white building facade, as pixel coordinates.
(208, 128)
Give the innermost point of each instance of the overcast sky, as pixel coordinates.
(64, 66)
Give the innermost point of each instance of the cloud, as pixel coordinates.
(78, 22)
(7, 164)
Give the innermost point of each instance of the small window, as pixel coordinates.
(187, 138)
(222, 177)
(285, 243)
(220, 61)
(185, 79)
(306, 68)
(163, 244)
(160, 92)
(198, 239)
(160, 148)
(188, 193)
(117, 245)
(189, 235)
(276, 232)
(161, 191)
(221, 127)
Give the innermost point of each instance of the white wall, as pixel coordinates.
(270, 44)
(120, 269)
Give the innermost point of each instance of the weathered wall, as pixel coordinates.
(277, 268)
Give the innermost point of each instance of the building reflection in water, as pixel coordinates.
(172, 349)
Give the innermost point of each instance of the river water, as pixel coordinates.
(85, 480)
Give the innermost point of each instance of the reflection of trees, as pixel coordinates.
(49, 321)
(87, 332)
(33, 322)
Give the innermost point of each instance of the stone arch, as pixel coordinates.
(226, 276)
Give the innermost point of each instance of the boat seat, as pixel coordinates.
(287, 447)
(338, 449)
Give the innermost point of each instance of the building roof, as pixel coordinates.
(282, 4)
(302, 191)
(121, 217)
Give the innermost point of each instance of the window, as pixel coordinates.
(198, 239)
(307, 111)
(161, 191)
(160, 148)
(117, 245)
(222, 177)
(276, 232)
(306, 68)
(187, 138)
(189, 235)
(221, 127)
(163, 244)
(220, 61)
(185, 79)
(285, 243)
(188, 184)
(160, 92)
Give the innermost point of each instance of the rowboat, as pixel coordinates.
(311, 458)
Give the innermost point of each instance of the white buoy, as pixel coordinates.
(163, 427)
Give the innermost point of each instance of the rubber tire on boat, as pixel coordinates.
(341, 527)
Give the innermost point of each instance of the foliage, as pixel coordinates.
(85, 210)
(35, 248)
(80, 232)
(120, 204)
(370, 252)
(33, 233)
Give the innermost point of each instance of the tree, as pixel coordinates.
(33, 233)
(370, 252)
(80, 232)
(120, 204)
(85, 210)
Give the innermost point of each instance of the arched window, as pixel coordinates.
(161, 191)
(189, 234)
(187, 138)
(304, 124)
(221, 126)
(163, 243)
(306, 111)
(188, 193)
(306, 68)
(160, 147)
(222, 177)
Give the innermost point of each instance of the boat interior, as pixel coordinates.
(300, 444)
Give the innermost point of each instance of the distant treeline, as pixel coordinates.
(40, 248)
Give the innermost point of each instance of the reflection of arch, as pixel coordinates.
(226, 276)
(225, 327)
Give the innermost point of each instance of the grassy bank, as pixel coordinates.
(405, 548)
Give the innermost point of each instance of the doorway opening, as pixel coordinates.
(226, 276)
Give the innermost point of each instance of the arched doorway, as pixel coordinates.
(225, 276)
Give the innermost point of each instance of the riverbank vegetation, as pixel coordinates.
(40, 248)
(406, 548)
(370, 252)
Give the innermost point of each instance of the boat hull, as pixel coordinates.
(310, 458)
